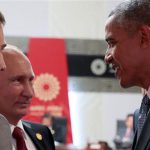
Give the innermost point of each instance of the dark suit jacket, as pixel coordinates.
(60, 129)
(143, 143)
(47, 142)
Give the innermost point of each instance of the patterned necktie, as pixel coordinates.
(144, 109)
(17, 134)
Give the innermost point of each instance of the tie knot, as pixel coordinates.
(146, 100)
(17, 133)
(145, 105)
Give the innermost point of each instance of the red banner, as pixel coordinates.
(48, 59)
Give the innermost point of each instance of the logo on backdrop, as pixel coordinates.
(50, 84)
(46, 87)
(98, 67)
(89, 66)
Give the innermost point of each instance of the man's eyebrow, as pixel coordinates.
(109, 39)
(17, 76)
(21, 77)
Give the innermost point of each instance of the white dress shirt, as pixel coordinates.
(29, 144)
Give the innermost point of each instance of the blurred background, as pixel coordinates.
(96, 100)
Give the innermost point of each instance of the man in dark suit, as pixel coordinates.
(16, 91)
(127, 33)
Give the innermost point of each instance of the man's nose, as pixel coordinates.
(28, 90)
(108, 57)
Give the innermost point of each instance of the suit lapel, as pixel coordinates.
(134, 140)
(144, 137)
(32, 134)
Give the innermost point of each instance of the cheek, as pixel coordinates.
(121, 55)
(117, 55)
(15, 89)
(6, 102)
(11, 93)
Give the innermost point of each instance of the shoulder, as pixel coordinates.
(36, 127)
(32, 124)
(33, 129)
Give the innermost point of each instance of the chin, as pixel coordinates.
(22, 113)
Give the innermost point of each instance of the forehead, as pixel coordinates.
(17, 64)
(112, 27)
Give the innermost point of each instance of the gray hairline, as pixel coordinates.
(130, 26)
(129, 15)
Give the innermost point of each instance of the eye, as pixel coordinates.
(17, 80)
(112, 43)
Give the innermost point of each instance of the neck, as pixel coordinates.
(12, 121)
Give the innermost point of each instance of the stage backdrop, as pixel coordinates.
(49, 62)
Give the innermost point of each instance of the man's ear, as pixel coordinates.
(145, 36)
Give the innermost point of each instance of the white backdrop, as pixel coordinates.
(56, 18)
(94, 115)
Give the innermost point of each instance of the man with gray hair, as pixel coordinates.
(128, 36)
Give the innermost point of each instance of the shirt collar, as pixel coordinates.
(148, 92)
(19, 124)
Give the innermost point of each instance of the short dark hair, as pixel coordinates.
(2, 18)
(132, 14)
(129, 115)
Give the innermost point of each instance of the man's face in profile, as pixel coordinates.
(16, 88)
(123, 53)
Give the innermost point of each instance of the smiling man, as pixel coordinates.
(16, 91)
(128, 36)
